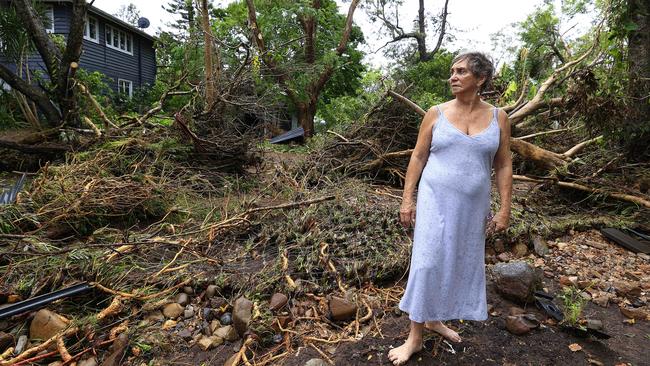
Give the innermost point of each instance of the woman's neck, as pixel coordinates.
(468, 101)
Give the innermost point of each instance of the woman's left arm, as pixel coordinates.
(503, 169)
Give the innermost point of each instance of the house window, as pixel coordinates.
(48, 22)
(119, 40)
(91, 30)
(125, 87)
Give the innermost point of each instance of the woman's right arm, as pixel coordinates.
(416, 165)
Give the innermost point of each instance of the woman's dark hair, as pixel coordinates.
(480, 65)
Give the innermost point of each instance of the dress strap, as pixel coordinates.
(496, 111)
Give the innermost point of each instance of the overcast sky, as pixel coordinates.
(473, 21)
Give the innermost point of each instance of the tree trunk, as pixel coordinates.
(306, 113)
(209, 72)
(639, 69)
(422, 43)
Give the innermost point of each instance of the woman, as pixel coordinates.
(459, 143)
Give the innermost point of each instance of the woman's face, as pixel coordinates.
(462, 80)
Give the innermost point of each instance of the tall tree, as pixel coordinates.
(129, 13)
(639, 68)
(60, 103)
(305, 70)
(387, 14)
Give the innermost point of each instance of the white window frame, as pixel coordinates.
(115, 39)
(129, 83)
(87, 29)
(49, 13)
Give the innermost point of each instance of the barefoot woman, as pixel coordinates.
(459, 143)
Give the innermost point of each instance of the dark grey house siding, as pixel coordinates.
(139, 68)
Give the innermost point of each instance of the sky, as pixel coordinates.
(473, 22)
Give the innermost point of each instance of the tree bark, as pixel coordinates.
(34, 94)
(209, 72)
(639, 69)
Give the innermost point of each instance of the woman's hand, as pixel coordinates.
(407, 213)
(498, 223)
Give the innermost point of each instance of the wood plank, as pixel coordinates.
(626, 241)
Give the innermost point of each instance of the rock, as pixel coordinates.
(520, 250)
(46, 324)
(88, 362)
(226, 319)
(228, 333)
(211, 291)
(209, 342)
(602, 299)
(20, 345)
(634, 313)
(504, 257)
(169, 324)
(521, 324)
(562, 246)
(188, 290)
(594, 324)
(499, 246)
(241, 314)
(55, 363)
(277, 338)
(154, 316)
(539, 245)
(214, 325)
(219, 303)
(278, 301)
(6, 341)
(516, 280)
(183, 299)
(173, 310)
(188, 312)
(117, 349)
(186, 334)
(340, 309)
(568, 280)
(316, 362)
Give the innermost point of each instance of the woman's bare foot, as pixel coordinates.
(402, 353)
(440, 328)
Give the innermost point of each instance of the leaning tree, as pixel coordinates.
(58, 102)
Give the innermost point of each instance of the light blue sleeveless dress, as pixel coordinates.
(447, 274)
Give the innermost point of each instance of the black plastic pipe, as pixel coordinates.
(41, 300)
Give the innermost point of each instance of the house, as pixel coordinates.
(123, 53)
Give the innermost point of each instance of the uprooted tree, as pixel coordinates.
(316, 54)
(57, 103)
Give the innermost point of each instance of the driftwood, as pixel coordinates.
(527, 150)
(617, 195)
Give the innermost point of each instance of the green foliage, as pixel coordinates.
(427, 80)
(284, 39)
(345, 110)
(573, 305)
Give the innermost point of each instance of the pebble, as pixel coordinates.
(173, 310)
(241, 314)
(341, 309)
(183, 299)
(211, 291)
(188, 290)
(189, 312)
(209, 342)
(20, 345)
(88, 362)
(316, 362)
(46, 324)
(226, 319)
(278, 301)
